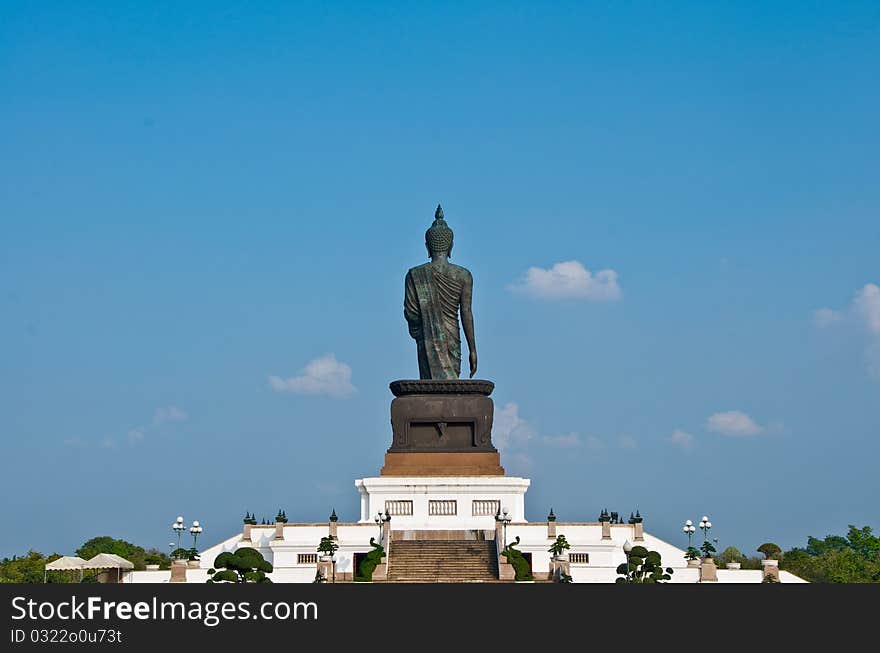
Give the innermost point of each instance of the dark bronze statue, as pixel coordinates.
(434, 294)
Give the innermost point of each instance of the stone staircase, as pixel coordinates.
(443, 561)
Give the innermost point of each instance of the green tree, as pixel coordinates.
(245, 565)
(643, 566)
(730, 554)
(770, 550)
(817, 547)
(560, 546)
(106, 544)
(327, 545)
(28, 568)
(157, 557)
(863, 541)
(837, 559)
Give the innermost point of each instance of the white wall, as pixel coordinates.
(375, 491)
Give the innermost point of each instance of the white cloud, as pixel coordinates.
(867, 307)
(509, 429)
(864, 309)
(569, 280)
(562, 441)
(108, 443)
(733, 422)
(825, 317)
(682, 439)
(135, 436)
(76, 443)
(169, 414)
(322, 376)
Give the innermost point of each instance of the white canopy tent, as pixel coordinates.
(109, 561)
(65, 563)
(102, 561)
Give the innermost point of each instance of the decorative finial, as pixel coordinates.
(438, 214)
(333, 516)
(551, 516)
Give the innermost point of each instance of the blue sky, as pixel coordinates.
(194, 200)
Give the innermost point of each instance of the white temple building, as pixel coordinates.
(452, 529)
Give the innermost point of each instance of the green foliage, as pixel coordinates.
(180, 554)
(328, 545)
(370, 562)
(692, 553)
(863, 541)
(730, 554)
(707, 549)
(836, 559)
(752, 562)
(106, 544)
(29, 568)
(521, 568)
(770, 550)
(559, 546)
(564, 578)
(245, 565)
(817, 547)
(854, 558)
(643, 566)
(156, 557)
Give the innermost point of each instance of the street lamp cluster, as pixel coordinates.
(705, 525)
(178, 527)
(505, 519)
(380, 520)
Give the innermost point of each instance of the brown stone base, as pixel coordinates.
(443, 464)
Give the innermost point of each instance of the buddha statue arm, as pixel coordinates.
(467, 321)
(411, 308)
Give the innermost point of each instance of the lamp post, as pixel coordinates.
(688, 529)
(195, 530)
(627, 549)
(178, 528)
(380, 522)
(505, 520)
(705, 525)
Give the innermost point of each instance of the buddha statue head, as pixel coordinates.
(438, 237)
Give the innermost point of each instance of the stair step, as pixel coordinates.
(443, 561)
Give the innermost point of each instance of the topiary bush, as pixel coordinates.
(521, 568)
(643, 566)
(369, 563)
(245, 565)
(770, 550)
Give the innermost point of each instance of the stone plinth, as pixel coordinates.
(442, 464)
(708, 571)
(178, 571)
(770, 571)
(442, 428)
